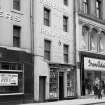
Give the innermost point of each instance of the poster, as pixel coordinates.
(8, 79)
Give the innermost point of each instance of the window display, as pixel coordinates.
(11, 78)
(70, 83)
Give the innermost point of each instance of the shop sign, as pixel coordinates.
(94, 64)
(7, 79)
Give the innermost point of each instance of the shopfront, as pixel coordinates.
(15, 76)
(92, 68)
(62, 82)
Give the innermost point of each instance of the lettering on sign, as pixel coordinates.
(94, 64)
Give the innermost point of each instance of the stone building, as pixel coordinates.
(90, 44)
(54, 68)
(16, 79)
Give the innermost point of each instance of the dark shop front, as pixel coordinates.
(16, 76)
(92, 68)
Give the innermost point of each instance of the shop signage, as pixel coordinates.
(94, 64)
(7, 79)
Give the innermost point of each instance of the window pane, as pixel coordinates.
(16, 4)
(46, 16)
(16, 42)
(65, 23)
(65, 2)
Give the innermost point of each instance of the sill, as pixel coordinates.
(11, 94)
(16, 11)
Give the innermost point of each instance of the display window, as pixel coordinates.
(53, 85)
(70, 83)
(11, 78)
(90, 81)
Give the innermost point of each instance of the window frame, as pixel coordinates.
(18, 8)
(98, 9)
(65, 2)
(66, 53)
(47, 50)
(85, 6)
(65, 23)
(47, 16)
(16, 37)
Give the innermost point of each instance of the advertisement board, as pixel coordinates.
(8, 79)
(94, 64)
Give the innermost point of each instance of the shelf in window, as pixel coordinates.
(11, 94)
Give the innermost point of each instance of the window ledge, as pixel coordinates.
(98, 20)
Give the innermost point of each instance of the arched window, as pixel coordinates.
(93, 40)
(84, 39)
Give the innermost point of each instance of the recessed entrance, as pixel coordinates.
(61, 85)
(42, 80)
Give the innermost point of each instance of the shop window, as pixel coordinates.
(16, 36)
(70, 83)
(85, 6)
(98, 8)
(53, 84)
(11, 78)
(47, 48)
(16, 5)
(66, 48)
(65, 23)
(46, 17)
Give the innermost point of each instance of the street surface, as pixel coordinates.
(99, 104)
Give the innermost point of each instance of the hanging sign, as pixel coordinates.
(7, 79)
(94, 64)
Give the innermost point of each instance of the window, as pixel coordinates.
(93, 40)
(16, 5)
(85, 6)
(16, 36)
(65, 23)
(46, 17)
(47, 47)
(85, 38)
(65, 53)
(98, 9)
(11, 78)
(66, 2)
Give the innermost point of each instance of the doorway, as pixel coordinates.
(42, 89)
(61, 85)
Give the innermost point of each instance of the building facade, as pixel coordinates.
(16, 69)
(90, 41)
(54, 68)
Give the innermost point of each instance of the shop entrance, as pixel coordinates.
(42, 88)
(61, 85)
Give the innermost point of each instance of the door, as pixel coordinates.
(42, 88)
(61, 85)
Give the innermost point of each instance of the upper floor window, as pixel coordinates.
(98, 9)
(84, 43)
(101, 42)
(93, 40)
(16, 36)
(66, 2)
(85, 6)
(47, 49)
(65, 23)
(65, 48)
(46, 17)
(16, 5)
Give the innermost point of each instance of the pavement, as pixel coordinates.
(88, 101)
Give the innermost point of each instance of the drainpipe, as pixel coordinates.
(74, 30)
(32, 40)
